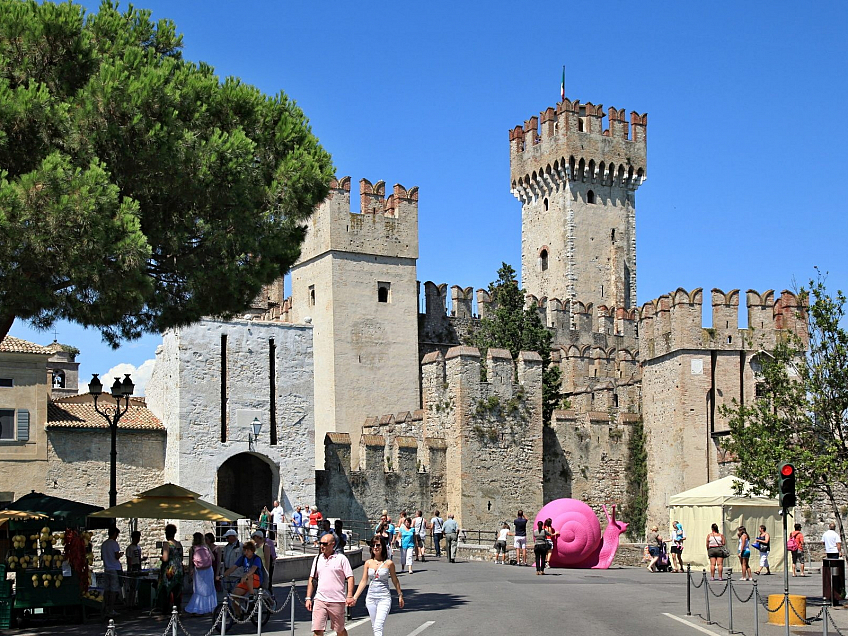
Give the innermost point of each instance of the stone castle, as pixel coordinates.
(368, 403)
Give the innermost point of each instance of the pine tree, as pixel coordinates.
(138, 191)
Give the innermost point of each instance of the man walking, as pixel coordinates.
(451, 530)
(520, 541)
(437, 528)
(333, 573)
(278, 517)
(832, 543)
(419, 526)
(297, 523)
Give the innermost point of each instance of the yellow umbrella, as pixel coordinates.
(5, 515)
(169, 501)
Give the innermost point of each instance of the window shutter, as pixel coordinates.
(23, 425)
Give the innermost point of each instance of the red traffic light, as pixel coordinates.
(787, 470)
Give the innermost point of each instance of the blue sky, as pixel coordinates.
(746, 123)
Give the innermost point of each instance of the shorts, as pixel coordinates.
(520, 543)
(654, 550)
(256, 583)
(745, 554)
(111, 582)
(715, 553)
(500, 546)
(419, 541)
(322, 611)
(798, 557)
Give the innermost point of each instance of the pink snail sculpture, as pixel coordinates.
(580, 544)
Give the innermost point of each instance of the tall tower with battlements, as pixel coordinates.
(356, 281)
(576, 179)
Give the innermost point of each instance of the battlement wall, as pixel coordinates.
(574, 144)
(673, 321)
(383, 226)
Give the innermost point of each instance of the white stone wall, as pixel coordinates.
(185, 393)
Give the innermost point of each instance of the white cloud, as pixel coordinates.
(140, 375)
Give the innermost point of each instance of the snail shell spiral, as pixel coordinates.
(578, 527)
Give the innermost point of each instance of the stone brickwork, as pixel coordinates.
(356, 281)
(576, 182)
(689, 372)
(216, 369)
(475, 450)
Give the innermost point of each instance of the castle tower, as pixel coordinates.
(356, 281)
(577, 181)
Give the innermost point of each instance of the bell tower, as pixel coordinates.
(577, 179)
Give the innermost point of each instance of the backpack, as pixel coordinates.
(202, 558)
(791, 544)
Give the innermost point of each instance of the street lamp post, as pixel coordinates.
(113, 415)
(256, 425)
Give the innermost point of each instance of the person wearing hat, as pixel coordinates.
(229, 555)
(263, 551)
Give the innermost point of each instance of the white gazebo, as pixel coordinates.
(717, 502)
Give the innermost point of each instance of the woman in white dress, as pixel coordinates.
(376, 574)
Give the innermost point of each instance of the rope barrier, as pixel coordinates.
(765, 604)
(703, 580)
(740, 599)
(829, 619)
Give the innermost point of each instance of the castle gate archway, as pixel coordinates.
(245, 484)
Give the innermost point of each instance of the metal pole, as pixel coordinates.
(688, 589)
(730, 602)
(259, 612)
(224, 607)
(174, 618)
(756, 610)
(825, 618)
(113, 458)
(785, 572)
(707, 597)
(293, 597)
(110, 629)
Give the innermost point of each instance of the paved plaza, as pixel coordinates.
(479, 597)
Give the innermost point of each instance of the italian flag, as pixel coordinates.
(562, 86)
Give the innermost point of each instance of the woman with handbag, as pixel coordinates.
(717, 551)
(201, 571)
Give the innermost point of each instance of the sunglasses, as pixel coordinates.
(325, 543)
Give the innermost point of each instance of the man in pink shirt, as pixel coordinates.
(331, 572)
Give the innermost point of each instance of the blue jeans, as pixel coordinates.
(437, 541)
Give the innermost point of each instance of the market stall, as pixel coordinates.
(49, 558)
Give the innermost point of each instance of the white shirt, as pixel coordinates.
(277, 514)
(108, 552)
(830, 538)
(502, 534)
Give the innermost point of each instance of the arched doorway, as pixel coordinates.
(245, 484)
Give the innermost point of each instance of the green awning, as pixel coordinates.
(72, 513)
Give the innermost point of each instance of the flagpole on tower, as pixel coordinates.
(562, 86)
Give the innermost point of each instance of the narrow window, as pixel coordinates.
(615, 400)
(223, 388)
(6, 383)
(729, 339)
(546, 205)
(590, 196)
(602, 291)
(580, 125)
(384, 292)
(543, 260)
(272, 388)
(612, 235)
(312, 295)
(7, 424)
(58, 379)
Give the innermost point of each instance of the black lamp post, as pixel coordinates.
(113, 415)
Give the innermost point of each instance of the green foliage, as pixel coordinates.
(801, 416)
(636, 507)
(516, 329)
(138, 191)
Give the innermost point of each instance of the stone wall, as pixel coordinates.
(185, 392)
(78, 469)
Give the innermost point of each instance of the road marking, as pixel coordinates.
(422, 628)
(350, 626)
(692, 625)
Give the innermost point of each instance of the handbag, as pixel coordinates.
(725, 553)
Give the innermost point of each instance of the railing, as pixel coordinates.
(753, 595)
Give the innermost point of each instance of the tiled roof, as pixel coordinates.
(69, 415)
(10, 344)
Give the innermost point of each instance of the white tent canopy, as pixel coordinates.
(717, 502)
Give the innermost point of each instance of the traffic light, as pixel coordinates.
(787, 486)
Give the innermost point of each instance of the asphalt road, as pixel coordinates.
(467, 598)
